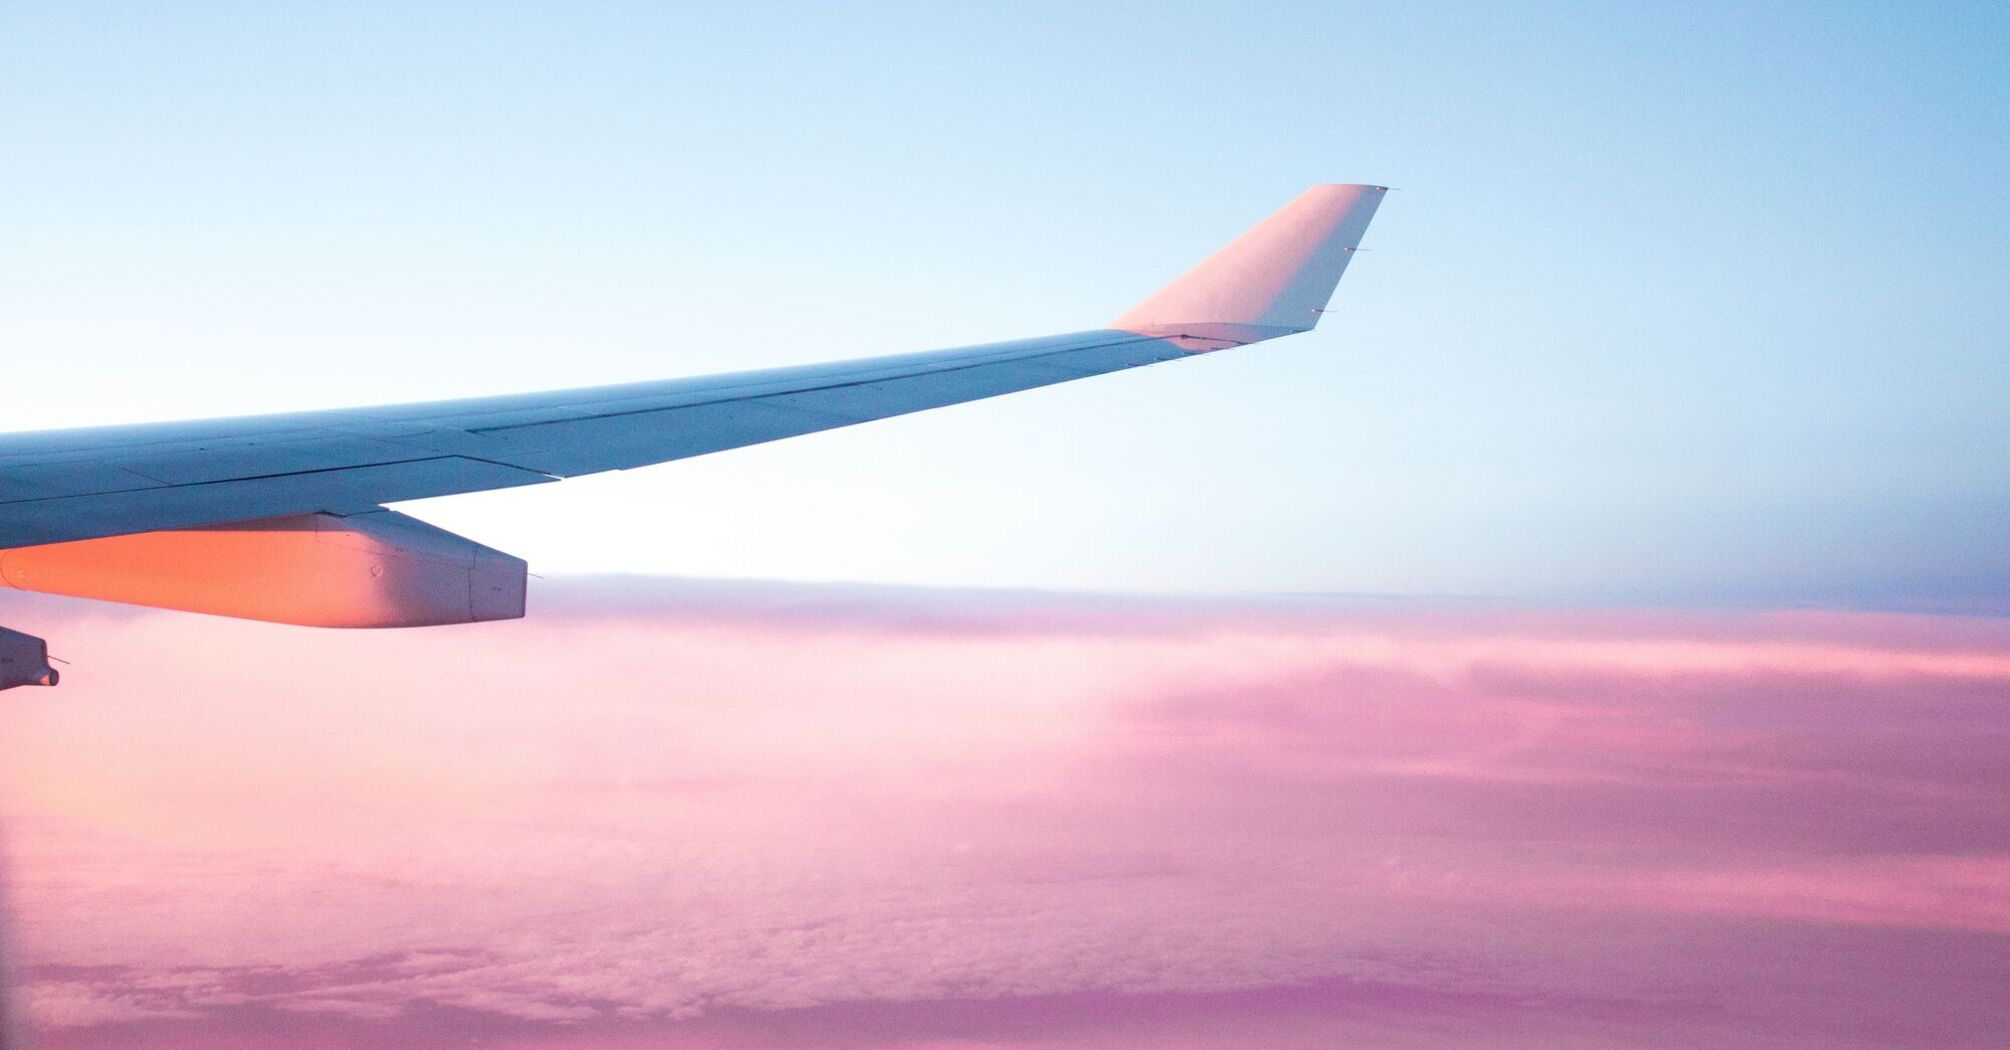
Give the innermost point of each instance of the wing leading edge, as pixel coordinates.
(85, 484)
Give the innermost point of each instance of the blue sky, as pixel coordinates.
(1676, 304)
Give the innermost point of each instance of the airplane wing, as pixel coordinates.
(66, 486)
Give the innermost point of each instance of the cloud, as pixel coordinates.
(679, 813)
(81, 1004)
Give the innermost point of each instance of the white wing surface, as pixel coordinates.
(85, 484)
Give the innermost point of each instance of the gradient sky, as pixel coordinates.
(1675, 303)
(1681, 345)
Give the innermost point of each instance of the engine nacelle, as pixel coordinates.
(24, 660)
(380, 569)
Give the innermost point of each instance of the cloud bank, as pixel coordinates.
(681, 813)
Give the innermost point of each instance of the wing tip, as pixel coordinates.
(1278, 275)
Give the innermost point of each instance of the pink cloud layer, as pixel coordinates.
(674, 814)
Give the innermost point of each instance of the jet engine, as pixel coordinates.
(24, 660)
(379, 569)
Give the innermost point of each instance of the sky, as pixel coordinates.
(1674, 304)
(1595, 635)
(751, 816)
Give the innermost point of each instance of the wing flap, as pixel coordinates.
(350, 490)
(201, 466)
(66, 478)
(635, 439)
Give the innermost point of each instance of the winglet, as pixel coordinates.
(1273, 280)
